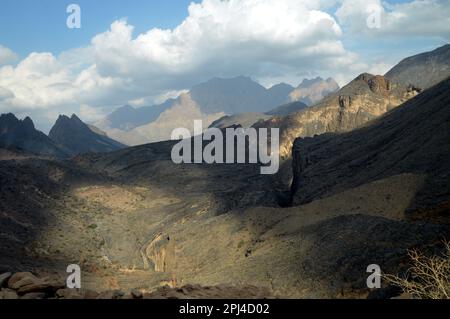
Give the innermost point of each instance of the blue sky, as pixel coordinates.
(40, 25)
(140, 52)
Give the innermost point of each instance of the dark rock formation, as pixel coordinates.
(423, 70)
(21, 135)
(77, 137)
(412, 138)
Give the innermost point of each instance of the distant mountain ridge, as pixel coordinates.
(208, 101)
(21, 135)
(127, 117)
(312, 91)
(77, 137)
(238, 95)
(247, 120)
(422, 70)
(412, 138)
(288, 108)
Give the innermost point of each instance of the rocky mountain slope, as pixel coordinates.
(182, 113)
(21, 135)
(423, 70)
(248, 119)
(133, 219)
(287, 109)
(127, 117)
(363, 99)
(77, 137)
(411, 139)
(244, 119)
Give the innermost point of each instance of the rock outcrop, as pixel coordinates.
(25, 285)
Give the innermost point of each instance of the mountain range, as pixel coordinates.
(68, 137)
(363, 180)
(21, 135)
(363, 99)
(422, 70)
(208, 101)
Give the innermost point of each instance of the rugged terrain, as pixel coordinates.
(411, 139)
(132, 219)
(422, 70)
(363, 99)
(366, 182)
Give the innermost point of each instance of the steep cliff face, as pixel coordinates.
(365, 98)
(411, 139)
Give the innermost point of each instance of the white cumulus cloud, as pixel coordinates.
(7, 56)
(262, 38)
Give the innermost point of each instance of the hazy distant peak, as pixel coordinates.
(309, 82)
(282, 86)
(312, 91)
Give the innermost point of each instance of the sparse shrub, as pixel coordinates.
(428, 277)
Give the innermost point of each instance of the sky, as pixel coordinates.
(141, 52)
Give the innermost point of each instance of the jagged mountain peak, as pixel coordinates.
(312, 91)
(77, 137)
(21, 135)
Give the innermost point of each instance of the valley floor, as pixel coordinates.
(145, 235)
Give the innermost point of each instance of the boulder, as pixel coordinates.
(18, 277)
(4, 278)
(26, 282)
